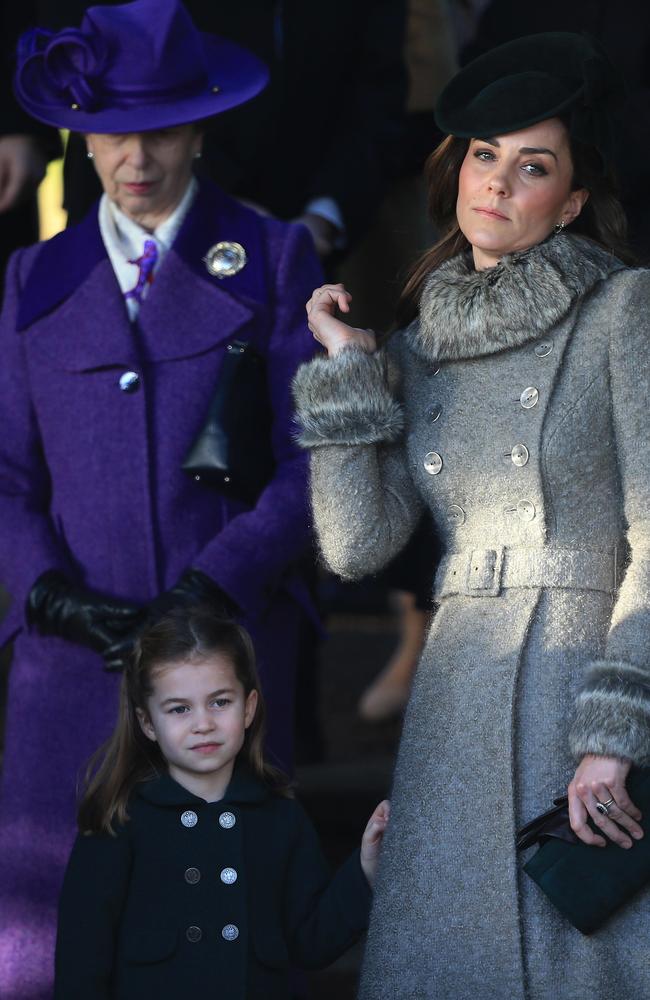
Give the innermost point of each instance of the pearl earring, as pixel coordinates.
(90, 155)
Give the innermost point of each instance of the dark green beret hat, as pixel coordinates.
(553, 74)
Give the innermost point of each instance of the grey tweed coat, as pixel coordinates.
(516, 409)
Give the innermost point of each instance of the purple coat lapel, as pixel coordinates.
(61, 266)
(174, 325)
(90, 329)
(72, 273)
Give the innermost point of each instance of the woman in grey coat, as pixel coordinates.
(513, 405)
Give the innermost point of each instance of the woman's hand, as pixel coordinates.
(372, 838)
(602, 779)
(331, 332)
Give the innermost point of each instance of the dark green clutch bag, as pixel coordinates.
(588, 884)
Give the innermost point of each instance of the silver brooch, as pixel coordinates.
(225, 259)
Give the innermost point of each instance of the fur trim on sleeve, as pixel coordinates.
(345, 400)
(613, 713)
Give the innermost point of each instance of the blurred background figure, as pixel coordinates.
(26, 146)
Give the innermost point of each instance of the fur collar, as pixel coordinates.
(466, 313)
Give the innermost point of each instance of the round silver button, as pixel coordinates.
(519, 455)
(230, 932)
(432, 463)
(434, 413)
(529, 397)
(526, 510)
(228, 876)
(129, 381)
(193, 934)
(189, 818)
(455, 514)
(227, 820)
(192, 876)
(544, 348)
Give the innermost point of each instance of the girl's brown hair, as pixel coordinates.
(129, 757)
(602, 218)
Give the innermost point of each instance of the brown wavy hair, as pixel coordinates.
(602, 218)
(129, 757)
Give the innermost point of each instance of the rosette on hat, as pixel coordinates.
(530, 79)
(132, 67)
(70, 61)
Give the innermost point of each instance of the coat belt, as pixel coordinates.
(487, 572)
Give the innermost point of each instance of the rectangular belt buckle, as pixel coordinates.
(484, 573)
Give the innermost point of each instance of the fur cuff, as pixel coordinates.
(345, 400)
(613, 713)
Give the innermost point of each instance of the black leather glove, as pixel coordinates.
(105, 624)
(193, 588)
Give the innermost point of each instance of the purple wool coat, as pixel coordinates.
(91, 484)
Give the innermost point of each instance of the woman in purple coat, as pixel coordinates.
(112, 339)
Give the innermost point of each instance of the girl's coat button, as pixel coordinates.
(189, 818)
(227, 820)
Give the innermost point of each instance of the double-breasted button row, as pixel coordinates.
(432, 460)
(229, 933)
(226, 820)
(192, 875)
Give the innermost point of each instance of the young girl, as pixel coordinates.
(194, 868)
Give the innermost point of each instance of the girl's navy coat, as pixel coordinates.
(223, 904)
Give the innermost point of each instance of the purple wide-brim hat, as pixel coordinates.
(133, 67)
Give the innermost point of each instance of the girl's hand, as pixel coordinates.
(331, 332)
(602, 779)
(372, 838)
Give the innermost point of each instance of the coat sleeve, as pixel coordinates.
(90, 906)
(364, 501)
(29, 543)
(249, 556)
(613, 708)
(324, 915)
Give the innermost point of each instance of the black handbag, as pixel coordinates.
(233, 451)
(587, 884)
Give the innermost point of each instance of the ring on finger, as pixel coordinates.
(604, 807)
